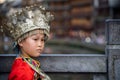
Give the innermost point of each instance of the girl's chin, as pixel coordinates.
(37, 55)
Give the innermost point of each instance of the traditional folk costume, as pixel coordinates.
(18, 25)
(27, 69)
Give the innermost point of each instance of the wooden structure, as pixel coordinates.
(102, 67)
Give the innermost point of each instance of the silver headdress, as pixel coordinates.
(28, 19)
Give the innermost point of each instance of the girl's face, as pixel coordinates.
(33, 45)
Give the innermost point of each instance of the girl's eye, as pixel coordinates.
(35, 39)
(43, 39)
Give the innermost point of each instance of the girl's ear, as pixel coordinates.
(20, 44)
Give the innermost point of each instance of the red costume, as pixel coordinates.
(21, 71)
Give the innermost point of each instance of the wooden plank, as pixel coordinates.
(62, 63)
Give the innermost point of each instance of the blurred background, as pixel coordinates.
(78, 27)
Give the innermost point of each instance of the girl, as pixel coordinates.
(30, 30)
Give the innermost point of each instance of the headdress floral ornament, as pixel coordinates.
(28, 19)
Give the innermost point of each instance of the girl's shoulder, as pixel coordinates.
(20, 69)
(20, 63)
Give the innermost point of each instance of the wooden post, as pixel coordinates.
(113, 48)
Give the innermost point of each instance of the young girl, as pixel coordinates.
(30, 30)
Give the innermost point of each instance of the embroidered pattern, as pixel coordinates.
(35, 66)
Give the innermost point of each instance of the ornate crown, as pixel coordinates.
(28, 19)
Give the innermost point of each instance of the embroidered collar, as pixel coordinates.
(35, 65)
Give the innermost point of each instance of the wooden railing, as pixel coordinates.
(68, 63)
(102, 66)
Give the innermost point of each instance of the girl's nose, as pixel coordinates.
(40, 43)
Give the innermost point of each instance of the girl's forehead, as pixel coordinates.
(37, 32)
